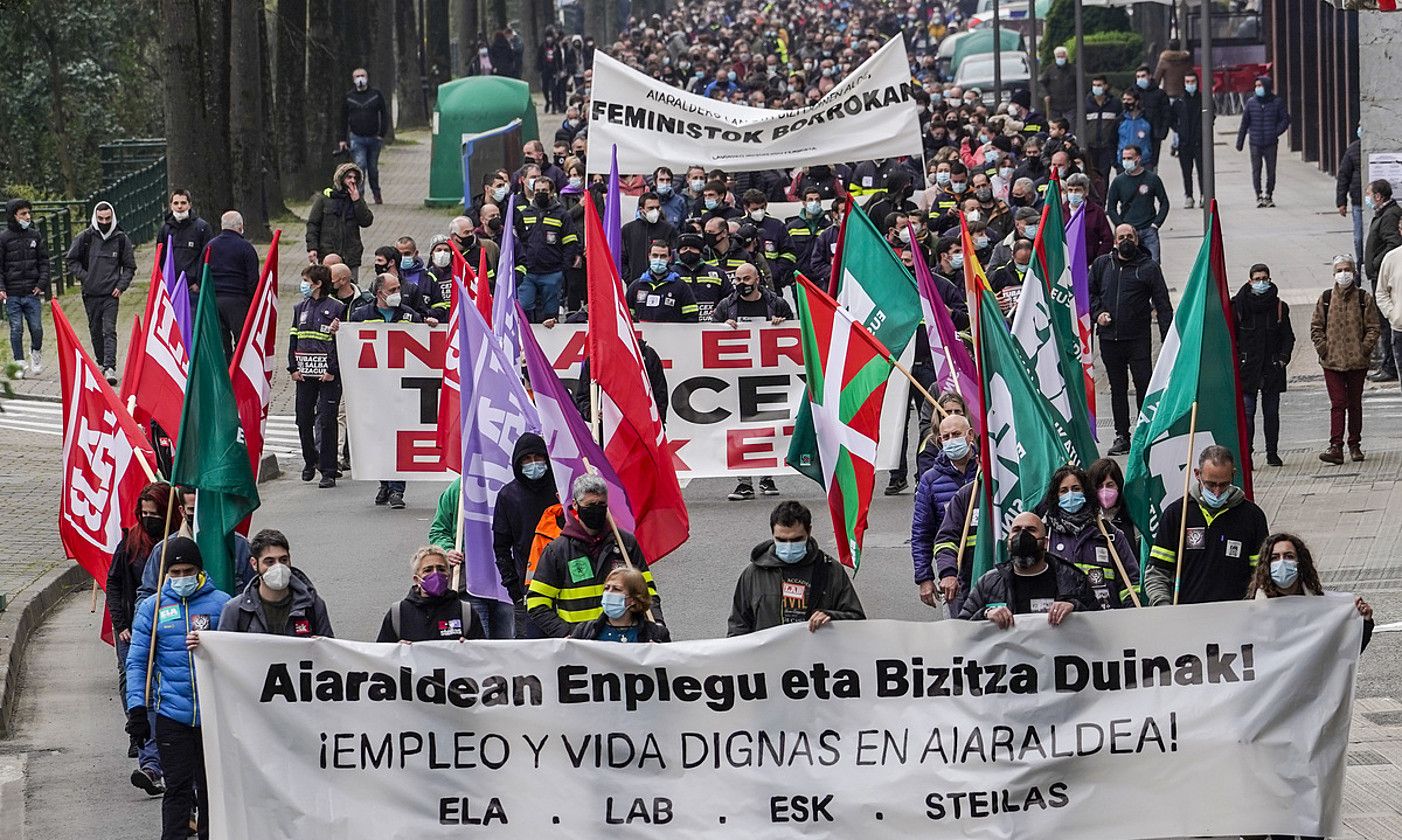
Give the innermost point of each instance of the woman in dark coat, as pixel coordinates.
(1264, 342)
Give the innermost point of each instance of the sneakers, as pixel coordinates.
(20, 369)
(36, 362)
(896, 486)
(1120, 446)
(144, 779)
(1274, 460)
(743, 492)
(1382, 375)
(1333, 455)
(1188, 203)
(396, 501)
(110, 374)
(326, 481)
(1261, 200)
(308, 473)
(1355, 453)
(382, 496)
(767, 488)
(1269, 201)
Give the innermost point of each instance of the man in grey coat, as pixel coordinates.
(102, 259)
(281, 600)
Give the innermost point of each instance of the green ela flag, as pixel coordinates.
(1195, 366)
(1025, 442)
(211, 455)
(880, 293)
(1044, 327)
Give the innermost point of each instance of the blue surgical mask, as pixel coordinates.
(791, 552)
(1142, 84)
(1097, 90)
(980, 242)
(1211, 499)
(306, 289)
(1190, 87)
(731, 75)
(657, 266)
(1285, 572)
(1074, 199)
(1368, 201)
(1260, 93)
(814, 209)
(185, 586)
(534, 470)
(576, 181)
(1060, 62)
(615, 604)
(1021, 267)
(956, 260)
(1072, 501)
(664, 187)
(406, 263)
(712, 203)
(955, 449)
(942, 178)
(498, 194)
(1260, 288)
(991, 156)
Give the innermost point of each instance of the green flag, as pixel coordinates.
(212, 456)
(1195, 367)
(879, 292)
(1045, 328)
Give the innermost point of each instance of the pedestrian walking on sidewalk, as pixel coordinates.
(1263, 120)
(24, 283)
(1384, 235)
(365, 121)
(1265, 341)
(102, 259)
(1344, 330)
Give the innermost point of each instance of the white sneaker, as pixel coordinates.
(20, 368)
(36, 362)
(110, 374)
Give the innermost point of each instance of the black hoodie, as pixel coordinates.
(520, 504)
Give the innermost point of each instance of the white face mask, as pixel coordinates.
(650, 216)
(278, 577)
(442, 258)
(974, 216)
(757, 214)
(180, 215)
(361, 83)
(1343, 278)
(392, 301)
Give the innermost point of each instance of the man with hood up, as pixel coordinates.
(1263, 120)
(336, 217)
(24, 282)
(281, 600)
(102, 259)
(790, 580)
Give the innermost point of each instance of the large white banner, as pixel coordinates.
(1220, 719)
(868, 115)
(733, 394)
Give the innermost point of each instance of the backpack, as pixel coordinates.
(466, 617)
(1362, 307)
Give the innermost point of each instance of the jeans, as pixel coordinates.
(147, 756)
(24, 309)
(926, 377)
(1345, 403)
(102, 329)
(1186, 160)
(498, 618)
(539, 295)
(233, 311)
(1149, 238)
(1123, 360)
(393, 486)
(317, 403)
(1358, 234)
(1270, 412)
(1259, 155)
(182, 756)
(365, 153)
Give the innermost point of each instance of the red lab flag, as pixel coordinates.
(449, 433)
(162, 366)
(106, 461)
(484, 289)
(251, 371)
(634, 440)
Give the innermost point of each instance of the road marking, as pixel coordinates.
(1394, 627)
(46, 418)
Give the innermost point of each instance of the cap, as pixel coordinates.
(180, 550)
(690, 240)
(1022, 97)
(746, 234)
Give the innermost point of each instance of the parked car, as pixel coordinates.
(977, 71)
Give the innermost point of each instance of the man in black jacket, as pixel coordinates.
(364, 124)
(1187, 122)
(1155, 103)
(281, 600)
(103, 260)
(1265, 341)
(640, 233)
(24, 282)
(233, 269)
(185, 234)
(520, 504)
(1126, 289)
(1031, 582)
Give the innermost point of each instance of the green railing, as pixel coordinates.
(124, 157)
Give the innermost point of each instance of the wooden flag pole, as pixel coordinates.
(921, 388)
(968, 520)
(457, 541)
(93, 608)
(160, 585)
(1183, 513)
(1119, 564)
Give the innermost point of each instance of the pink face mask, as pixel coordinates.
(1108, 496)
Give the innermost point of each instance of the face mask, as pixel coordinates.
(936, 98)
(1260, 288)
(1005, 172)
(1060, 62)
(494, 225)
(1142, 84)
(955, 448)
(594, 517)
(697, 185)
(651, 216)
(664, 187)
(498, 194)
(1343, 278)
(615, 604)
(1025, 549)
(942, 178)
(904, 235)
(956, 260)
(813, 208)
(980, 242)
(1130, 166)
(305, 288)
(730, 75)
(958, 186)
(442, 258)
(1071, 501)
(1190, 88)
(278, 577)
(744, 289)
(153, 525)
(181, 215)
(658, 267)
(1097, 90)
(1213, 500)
(433, 584)
(1021, 267)
(185, 586)
(1074, 199)
(1260, 93)
(361, 83)
(757, 215)
(1127, 249)
(576, 181)
(406, 263)
(689, 258)
(24, 224)
(534, 470)
(990, 156)
(712, 203)
(1285, 572)
(984, 194)
(1108, 496)
(1368, 201)
(790, 552)
(393, 301)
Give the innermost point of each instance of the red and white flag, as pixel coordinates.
(449, 433)
(251, 371)
(106, 460)
(159, 366)
(484, 289)
(634, 440)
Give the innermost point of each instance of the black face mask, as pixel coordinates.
(381, 268)
(689, 258)
(744, 289)
(984, 194)
(468, 240)
(542, 201)
(594, 517)
(153, 525)
(1025, 549)
(1128, 249)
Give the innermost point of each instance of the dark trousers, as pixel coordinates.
(1270, 413)
(1266, 155)
(317, 404)
(182, 759)
(233, 311)
(1345, 403)
(1385, 353)
(1155, 146)
(498, 618)
(393, 486)
(1187, 158)
(1124, 359)
(102, 329)
(926, 377)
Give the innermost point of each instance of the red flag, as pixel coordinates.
(449, 433)
(484, 288)
(251, 371)
(136, 354)
(634, 440)
(106, 461)
(163, 366)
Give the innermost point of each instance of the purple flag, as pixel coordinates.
(1080, 288)
(613, 216)
(954, 368)
(178, 287)
(495, 411)
(504, 308)
(567, 437)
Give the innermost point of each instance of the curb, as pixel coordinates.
(18, 622)
(15, 395)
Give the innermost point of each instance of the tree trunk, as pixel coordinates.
(411, 81)
(384, 72)
(182, 67)
(290, 96)
(272, 169)
(213, 128)
(443, 28)
(246, 112)
(58, 121)
(326, 87)
(529, 31)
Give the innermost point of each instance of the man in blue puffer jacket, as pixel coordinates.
(186, 604)
(1263, 120)
(954, 466)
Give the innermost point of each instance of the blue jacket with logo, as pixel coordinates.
(173, 676)
(937, 486)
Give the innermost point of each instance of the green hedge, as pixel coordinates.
(1109, 52)
(1061, 24)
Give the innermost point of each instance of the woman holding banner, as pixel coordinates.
(1079, 534)
(1287, 568)
(627, 612)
